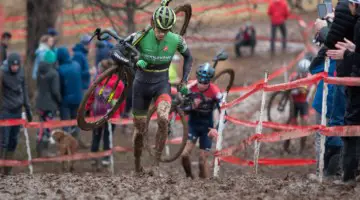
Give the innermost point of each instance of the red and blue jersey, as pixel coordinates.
(205, 109)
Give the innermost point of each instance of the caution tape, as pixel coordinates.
(268, 161)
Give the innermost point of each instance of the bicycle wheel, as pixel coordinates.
(230, 73)
(123, 74)
(183, 135)
(187, 10)
(281, 102)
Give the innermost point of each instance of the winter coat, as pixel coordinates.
(13, 90)
(97, 103)
(342, 26)
(102, 51)
(48, 85)
(70, 78)
(39, 56)
(80, 56)
(278, 11)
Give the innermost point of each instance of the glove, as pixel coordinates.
(182, 88)
(141, 63)
(28, 115)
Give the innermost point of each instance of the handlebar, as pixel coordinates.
(98, 33)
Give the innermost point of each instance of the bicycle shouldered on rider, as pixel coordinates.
(201, 121)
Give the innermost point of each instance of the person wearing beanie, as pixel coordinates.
(13, 97)
(81, 51)
(48, 97)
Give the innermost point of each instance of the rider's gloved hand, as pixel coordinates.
(141, 63)
(182, 88)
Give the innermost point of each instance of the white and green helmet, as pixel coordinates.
(164, 17)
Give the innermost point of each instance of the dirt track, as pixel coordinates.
(236, 182)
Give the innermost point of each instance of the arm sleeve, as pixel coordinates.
(26, 95)
(351, 59)
(55, 88)
(323, 34)
(185, 52)
(85, 74)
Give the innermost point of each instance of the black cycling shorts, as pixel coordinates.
(301, 108)
(145, 93)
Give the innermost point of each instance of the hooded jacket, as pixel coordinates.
(70, 78)
(352, 66)
(13, 88)
(48, 84)
(39, 55)
(80, 56)
(102, 51)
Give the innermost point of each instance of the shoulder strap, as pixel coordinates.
(143, 33)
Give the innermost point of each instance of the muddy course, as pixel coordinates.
(234, 182)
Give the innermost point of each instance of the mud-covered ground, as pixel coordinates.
(235, 182)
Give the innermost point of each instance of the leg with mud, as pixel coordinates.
(303, 122)
(185, 159)
(163, 110)
(203, 166)
(139, 130)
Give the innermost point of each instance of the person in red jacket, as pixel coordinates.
(278, 12)
(98, 106)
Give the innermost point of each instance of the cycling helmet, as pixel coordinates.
(164, 17)
(355, 1)
(303, 66)
(205, 73)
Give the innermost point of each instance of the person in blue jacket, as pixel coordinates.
(334, 114)
(71, 88)
(81, 51)
(103, 49)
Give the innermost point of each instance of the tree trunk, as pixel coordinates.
(41, 14)
(130, 13)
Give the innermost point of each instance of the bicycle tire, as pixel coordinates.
(184, 135)
(186, 8)
(125, 75)
(231, 73)
(272, 98)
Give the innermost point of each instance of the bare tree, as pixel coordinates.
(119, 11)
(41, 14)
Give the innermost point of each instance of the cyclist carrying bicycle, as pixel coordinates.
(157, 45)
(301, 106)
(201, 122)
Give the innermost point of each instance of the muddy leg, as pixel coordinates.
(139, 131)
(185, 159)
(203, 166)
(287, 146)
(163, 110)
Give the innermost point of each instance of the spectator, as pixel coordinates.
(46, 43)
(5, 40)
(99, 108)
(334, 114)
(81, 51)
(53, 33)
(13, 96)
(71, 89)
(48, 97)
(350, 54)
(246, 37)
(301, 106)
(279, 12)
